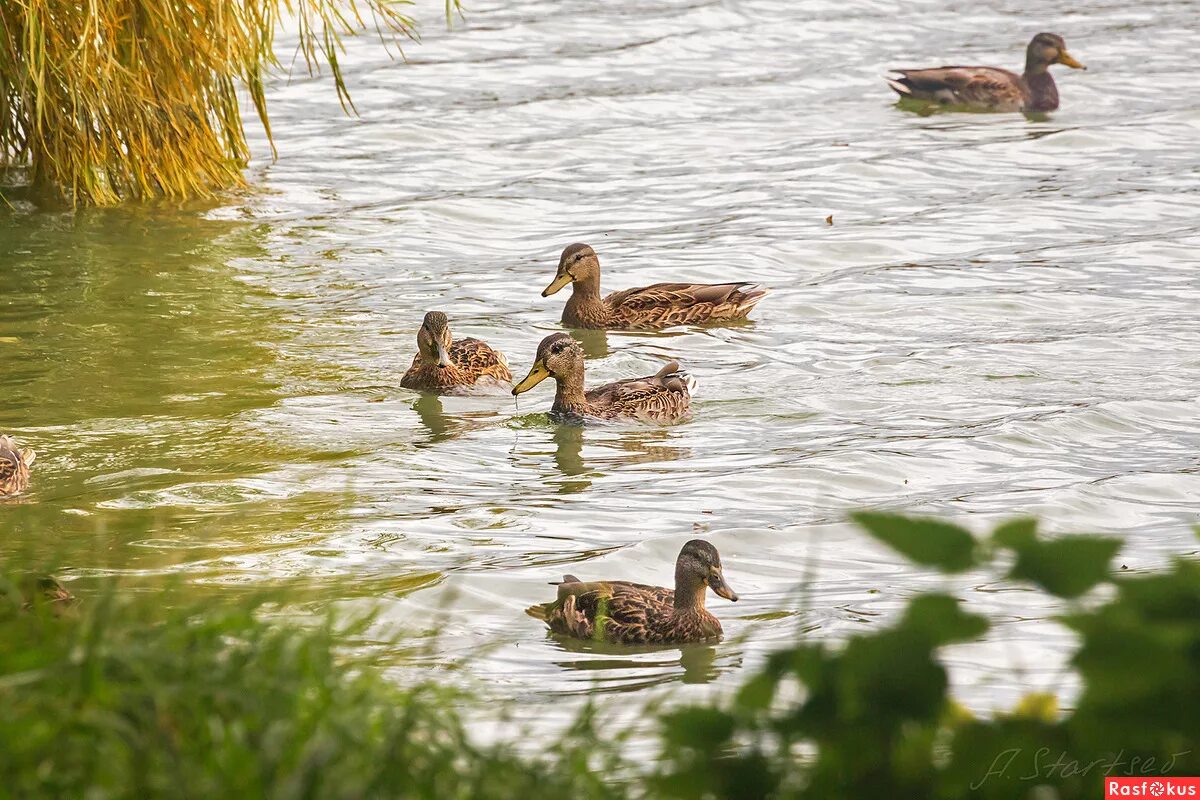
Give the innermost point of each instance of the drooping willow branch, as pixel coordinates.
(110, 100)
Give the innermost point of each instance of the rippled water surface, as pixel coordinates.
(1001, 318)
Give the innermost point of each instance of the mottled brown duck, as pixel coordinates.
(663, 397)
(447, 366)
(33, 593)
(632, 613)
(14, 467)
(659, 306)
(992, 88)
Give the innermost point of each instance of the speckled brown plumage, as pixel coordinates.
(652, 307)
(445, 365)
(34, 591)
(664, 397)
(632, 613)
(992, 88)
(14, 467)
(38, 594)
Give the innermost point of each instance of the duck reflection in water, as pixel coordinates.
(594, 342)
(614, 450)
(631, 673)
(444, 422)
(434, 417)
(568, 457)
(699, 662)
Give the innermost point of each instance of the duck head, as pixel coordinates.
(699, 565)
(557, 355)
(433, 340)
(577, 264)
(1046, 49)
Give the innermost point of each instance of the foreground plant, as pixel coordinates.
(117, 697)
(130, 99)
(875, 718)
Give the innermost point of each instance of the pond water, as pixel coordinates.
(1001, 319)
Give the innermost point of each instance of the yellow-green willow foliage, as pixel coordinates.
(110, 100)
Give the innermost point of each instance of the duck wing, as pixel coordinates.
(10, 462)
(617, 611)
(665, 304)
(979, 87)
(14, 467)
(663, 397)
(478, 359)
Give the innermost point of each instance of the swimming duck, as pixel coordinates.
(49, 590)
(662, 397)
(659, 306)
(28, 592)
(14, 467)
(632, 613)
(444, 365)
(992, 88)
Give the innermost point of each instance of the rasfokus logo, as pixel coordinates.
(1151, 787)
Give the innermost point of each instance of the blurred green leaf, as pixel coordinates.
(888, 679)
(1006, 758)
(1016, 533)
(940, 618)
(756, 693)
(1037, 705)
(1066, 567)
(929, 542)
(702, 728)
(749, 777)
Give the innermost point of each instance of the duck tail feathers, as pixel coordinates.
(677, 378)
(751, 294)
(669, 368)
(690, 382)
(899, 82)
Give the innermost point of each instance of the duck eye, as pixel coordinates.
(579, 256)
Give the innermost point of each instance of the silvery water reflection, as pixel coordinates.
(1001, 318)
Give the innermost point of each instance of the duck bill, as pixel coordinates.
(537, 374)
(559, 282)
(443, 356)
(1066, 59)
(716, 582)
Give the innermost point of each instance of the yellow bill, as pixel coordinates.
(537, 374)
(443, 356)
(716, 580)
(559, 282)
(1065, 58)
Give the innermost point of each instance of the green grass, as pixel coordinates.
(117, 698)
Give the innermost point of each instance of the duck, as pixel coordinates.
(664, 397)
(650, 308)
(14, 467)
(620, 612)
(447, 366)
(992, 88)
(31, 592)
